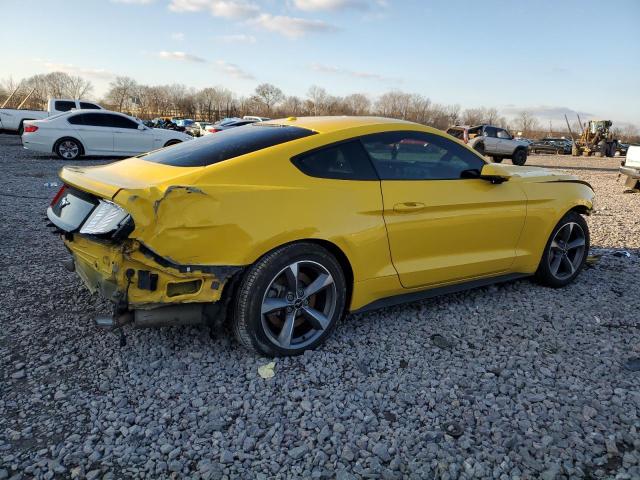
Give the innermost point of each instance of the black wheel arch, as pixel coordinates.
(231, 286)
(173, 141)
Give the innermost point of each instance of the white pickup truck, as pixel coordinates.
(12, 119)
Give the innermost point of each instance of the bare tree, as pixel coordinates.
(268, 95)
(121, 91)
(356, 104)
(526, 123)
(78, 87)
(317, 96)
(292, 106)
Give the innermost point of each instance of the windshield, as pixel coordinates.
(226, 144)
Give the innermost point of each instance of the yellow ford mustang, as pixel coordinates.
(284, 226)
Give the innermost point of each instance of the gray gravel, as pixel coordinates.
(534, 377)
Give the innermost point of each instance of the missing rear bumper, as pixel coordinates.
(125, 275)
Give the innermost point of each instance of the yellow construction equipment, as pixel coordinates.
(596, 139)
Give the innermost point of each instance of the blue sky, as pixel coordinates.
(545, 56)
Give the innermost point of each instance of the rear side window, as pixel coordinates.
(226, 144)
(344, 161)
(491, 132)
(90, 119)
(89, 106)
(64, 105)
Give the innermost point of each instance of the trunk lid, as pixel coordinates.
(131, 174)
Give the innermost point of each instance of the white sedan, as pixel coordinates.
(95, 132)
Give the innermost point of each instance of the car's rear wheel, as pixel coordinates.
(68, 149)
(519, 157)
(497, 159)
(290, 300)
(479, 147)
(565, 253)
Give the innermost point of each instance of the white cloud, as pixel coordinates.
(237, 38)
(317, 5)
(97, 73)
(217, 8)
(292, 27)
(182, 56)
(318, 67)
(179, 36)
(234, 70)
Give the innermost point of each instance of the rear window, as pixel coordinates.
(226, 144)
(89, 106)
(64, 105)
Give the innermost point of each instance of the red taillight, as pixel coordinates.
(214, 130)
(30, 128)
(58, 195)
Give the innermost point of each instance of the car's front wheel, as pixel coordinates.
(68, 149)
(565, 253)
(290, 300)
(519, 157)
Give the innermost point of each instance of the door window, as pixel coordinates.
(504, 135)
(420, 156)
(344, 161)
(118, 121)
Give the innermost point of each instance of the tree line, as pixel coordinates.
(214, 103)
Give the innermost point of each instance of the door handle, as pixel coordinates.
(408, 207)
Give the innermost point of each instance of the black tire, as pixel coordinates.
(479, 147)
(68, 149)
(172, 142)
(545, 275)
(497, 159)
(262, 333)
(519, 157)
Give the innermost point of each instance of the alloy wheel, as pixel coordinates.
(68, 149)
(567, 250)
(298, 305)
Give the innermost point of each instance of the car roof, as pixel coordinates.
(335, 124)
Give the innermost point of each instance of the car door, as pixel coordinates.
(128, 138)
(490, 140)
(95, 134)
(443, 224)
(505, 142)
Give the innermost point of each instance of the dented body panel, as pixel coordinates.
(103, 268)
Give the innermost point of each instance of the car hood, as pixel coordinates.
(539, 174)
(131, 174)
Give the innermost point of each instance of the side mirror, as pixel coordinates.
(495, 173)
(141, 127)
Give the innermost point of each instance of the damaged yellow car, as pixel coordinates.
(284, 226)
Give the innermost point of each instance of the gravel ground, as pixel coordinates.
(533, 379)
